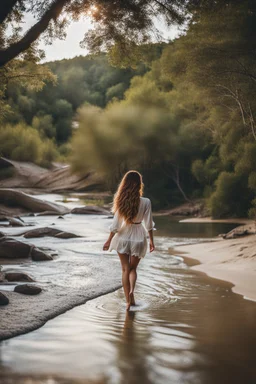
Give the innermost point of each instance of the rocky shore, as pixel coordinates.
(35, 283)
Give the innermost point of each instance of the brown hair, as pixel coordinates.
(127, 197)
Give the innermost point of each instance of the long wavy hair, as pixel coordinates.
(127, 197)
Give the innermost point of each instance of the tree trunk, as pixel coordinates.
(176, 179)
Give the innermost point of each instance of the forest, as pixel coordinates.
(182, 112)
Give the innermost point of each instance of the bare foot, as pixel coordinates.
(131, 296)
(128, 305)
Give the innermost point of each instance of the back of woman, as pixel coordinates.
(128, 231)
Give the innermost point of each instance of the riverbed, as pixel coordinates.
(185, 329)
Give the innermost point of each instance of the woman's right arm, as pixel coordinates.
(114, 227)
(151, 241)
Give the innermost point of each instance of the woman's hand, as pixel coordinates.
(151, 246)
(106, 245)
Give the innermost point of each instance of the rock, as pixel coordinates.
(13, 249)
(2, 276)
(17, 276)
(28, 289)
(15, 222)
(60, 217)
(3, 218)
(19, 218)
(38, 255)
(48, 213)
(242, 230)
(48, 231)
(234, 234)
(90, 210)
(3, 299)
(14, 198)
(59, 178)
(66, 235)
(2, 234)
(194, 208)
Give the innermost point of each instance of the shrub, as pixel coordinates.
(252, 210)
(231, 197)
(21, 142)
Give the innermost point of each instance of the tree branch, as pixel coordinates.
(33, 33)
(6, 8)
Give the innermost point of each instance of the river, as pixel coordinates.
(185, 329)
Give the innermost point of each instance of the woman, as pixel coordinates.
(128, 236)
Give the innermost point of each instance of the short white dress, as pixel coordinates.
(132, 238)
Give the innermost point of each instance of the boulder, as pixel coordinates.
(235, 233)
(66, 235)
(2, 276)
(17, 276)
(16, 222)
(48, 213)
(13, 249)
(14, 198)
(38, 255)
(90, 210)
(3, 299)
(2, 234)
(28, 289)
(48, 231)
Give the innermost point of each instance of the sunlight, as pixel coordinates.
(92, 11)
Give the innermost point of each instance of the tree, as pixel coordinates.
(122, 22)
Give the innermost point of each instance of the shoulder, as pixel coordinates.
(146, 200)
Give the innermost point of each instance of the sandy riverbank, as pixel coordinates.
(231, 260)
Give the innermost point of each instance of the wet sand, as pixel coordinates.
(230, 260)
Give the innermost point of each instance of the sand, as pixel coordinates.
(230, 260)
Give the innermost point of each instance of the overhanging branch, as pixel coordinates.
(6, 8)
(33, 33)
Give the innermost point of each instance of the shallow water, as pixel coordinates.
(185, 328)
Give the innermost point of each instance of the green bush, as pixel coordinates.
(252, 210)
(23, 143)
(231, 197)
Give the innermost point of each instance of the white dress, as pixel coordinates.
(132, 238)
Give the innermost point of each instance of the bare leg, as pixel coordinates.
(124, 259)
(133, 277)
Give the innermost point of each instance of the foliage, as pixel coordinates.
(252, 210)
(80, 80)
(114, 22)
(204, 82)
(125, 136)
(21, 142)
(231, 196)
(182, 113)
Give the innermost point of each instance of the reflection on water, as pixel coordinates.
(170, 226)
(185, 329)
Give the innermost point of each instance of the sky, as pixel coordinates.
(70, 47)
